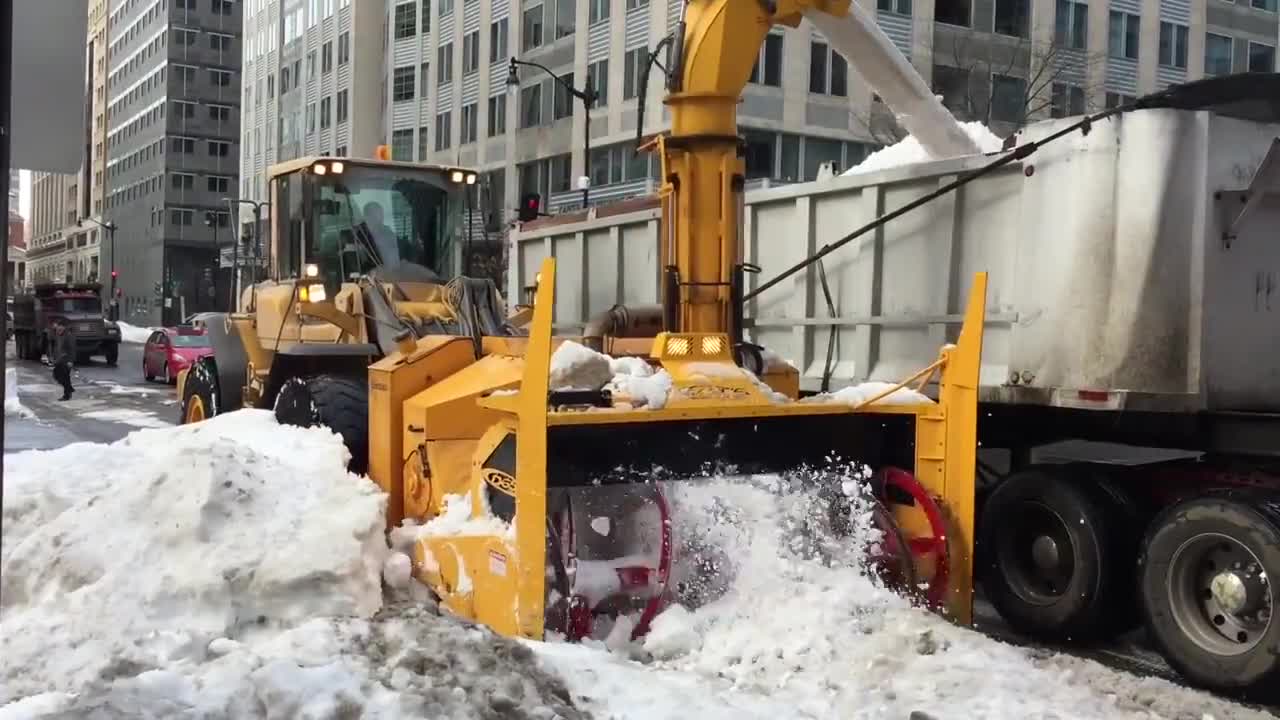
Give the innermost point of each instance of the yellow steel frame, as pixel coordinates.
(945, 462)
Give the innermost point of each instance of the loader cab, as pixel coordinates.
(341, 218)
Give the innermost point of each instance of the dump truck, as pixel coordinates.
(1130, 450)
(77, 304)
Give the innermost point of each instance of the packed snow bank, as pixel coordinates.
(133, 333)
(804, 632)
(908, 151)
(858, 394)
(577, 367)
(231, 568)
(12, 405)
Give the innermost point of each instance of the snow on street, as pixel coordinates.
(235, 569)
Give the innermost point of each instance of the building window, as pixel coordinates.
(498, 41)
(446, 7)
(444, 64)
(218, 148)
(184, 146)
(221, 43)
(406, 20)
(1071, 27)
(424, 143)
(953, 12)
(1008, 98)
(184, 181)
(1066, 100)
(341, 112)
(443, 130)
(1012, 17)
(426, 16)
(1123, 38)
(531, 106)
(497, 115)
(181, 217)
(185, 38)
(220, 113)
(1268, 5)
(897, 7)
(184, 109)
(344, 48)
(598, 11)
(402, 83)
(326, 57)
(471, 52)
(635, 4)
(1262, 58)
(828, 71)
(562, 99)
(1173, 45)
(1115, 100)
(326, 106)
(632, 65)
(219, 184)
(402, 145)
(566, 17)
(469, 123)
(598, 76)
(768, 67)
(531, 28)
(1218, 52)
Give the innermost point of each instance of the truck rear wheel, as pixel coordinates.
(1057, 554)
(1206, 593)
(338, 402)
(112, 354)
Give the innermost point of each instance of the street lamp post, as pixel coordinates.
(588, 97)
(257, 242)
(110, 227)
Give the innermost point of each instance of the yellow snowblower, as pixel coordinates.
(470, 432)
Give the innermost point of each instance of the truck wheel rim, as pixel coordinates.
(195, 409)
(1036, 554)
(1219, 594)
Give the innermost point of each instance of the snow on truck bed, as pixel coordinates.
(234, 569)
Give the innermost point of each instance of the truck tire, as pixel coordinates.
(112, 354)
(338, 402)
(200, 393)
(1057, 555)
(1206, 597)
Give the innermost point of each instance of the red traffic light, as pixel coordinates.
(530, 204)
(115, 273)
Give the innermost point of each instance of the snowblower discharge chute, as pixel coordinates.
(553, 463)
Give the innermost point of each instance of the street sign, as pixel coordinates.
(227, 254)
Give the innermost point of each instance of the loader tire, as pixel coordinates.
(1058, 555)
(200, 393)
(1206, 597)
(338, 402)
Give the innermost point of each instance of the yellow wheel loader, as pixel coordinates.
(359, 253)
(494, 471)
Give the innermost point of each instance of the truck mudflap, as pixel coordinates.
(230, 360)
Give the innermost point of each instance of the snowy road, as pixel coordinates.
(108, 404)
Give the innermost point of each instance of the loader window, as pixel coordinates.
(77, 306)
(374, 216)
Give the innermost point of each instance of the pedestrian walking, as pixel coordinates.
(62, 354)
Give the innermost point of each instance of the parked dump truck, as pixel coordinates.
(1129, 418)
(80, 305)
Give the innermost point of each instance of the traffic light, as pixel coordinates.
(115, 274)
(530, 205)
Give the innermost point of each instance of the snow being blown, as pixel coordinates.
(229, 569)
(908, 151)
(804, 631)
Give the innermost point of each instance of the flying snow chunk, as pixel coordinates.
(908, 151)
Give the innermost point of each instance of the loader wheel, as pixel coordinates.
(1206, 595)
(1058, 555)
(200, 393)
(338, 402)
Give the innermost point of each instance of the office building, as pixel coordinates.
(1000, 61)
(172, 149)
(313, 74)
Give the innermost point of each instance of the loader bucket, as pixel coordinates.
(588, 480)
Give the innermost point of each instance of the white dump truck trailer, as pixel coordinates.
(1130, 416)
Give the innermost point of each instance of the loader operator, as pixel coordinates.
(61, 354)
(384, 237)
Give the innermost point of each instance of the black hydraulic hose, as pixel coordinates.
(1019, 153)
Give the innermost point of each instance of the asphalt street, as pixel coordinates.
(108, 404)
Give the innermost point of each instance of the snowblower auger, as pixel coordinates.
(518, 567)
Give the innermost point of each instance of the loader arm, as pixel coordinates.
(718, 42)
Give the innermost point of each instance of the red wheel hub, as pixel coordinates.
(933, 544)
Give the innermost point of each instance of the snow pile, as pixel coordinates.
(855, 395)
(804, 632)
(577, 367)
(231, 568)
(908, 151)
(12, 405)
(133, 333)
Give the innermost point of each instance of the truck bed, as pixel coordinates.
(1123, 273)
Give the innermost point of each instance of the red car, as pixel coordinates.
(171, 350)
